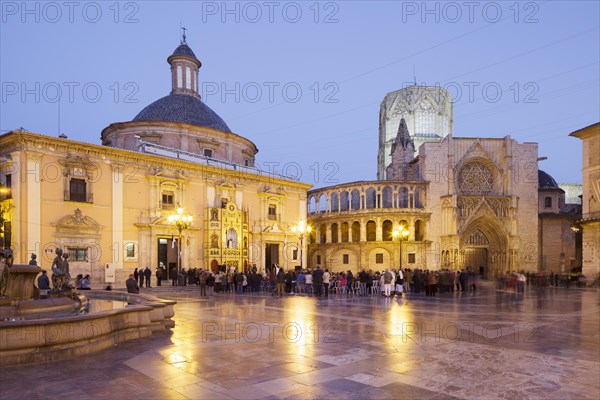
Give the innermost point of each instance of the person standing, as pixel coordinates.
(308, 279)
(136, 275)
(158, 274)
(147, 275)
(326, 280)
(141, 276)
(349, 283)
(280, 282)
(202, 278)
(43, 285)
(318, 281)
(388, 278)
(132, 285)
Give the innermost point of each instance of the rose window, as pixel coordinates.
(475, 179)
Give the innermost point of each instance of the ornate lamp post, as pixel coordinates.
(301, 230)
(402, 234)
(182, 221)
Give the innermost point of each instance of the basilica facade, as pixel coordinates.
(109, 205)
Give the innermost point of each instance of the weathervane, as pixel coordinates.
(183, 28)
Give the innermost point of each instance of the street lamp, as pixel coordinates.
(182, 221)
(402, 234)
(301, 230)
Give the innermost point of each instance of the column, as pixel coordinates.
(34, 212)
(117, 215)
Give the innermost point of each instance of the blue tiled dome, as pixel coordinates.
(182, 108)
(184, 50)
(545, 181)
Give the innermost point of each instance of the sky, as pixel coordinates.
(304, 80)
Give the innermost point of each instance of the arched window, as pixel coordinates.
(334, 233)
(344, 201)
(345, 232)
(419, 230)
(371, 231)
(179, 77)
(387, 197)
(355, 202)
(403, 200)
(547, 202)
(386, 230)
(312, 205)
(371, 199)
(418, 199)
(356, 231)
(403, 224)
(335, 202)
(188, 78)
(322, 203)
(322, 234)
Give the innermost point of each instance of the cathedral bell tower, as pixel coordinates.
(184, 69)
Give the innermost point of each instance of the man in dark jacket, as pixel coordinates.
(318, 281)
(132, 285)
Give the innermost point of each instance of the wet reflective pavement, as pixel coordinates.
(488, 345)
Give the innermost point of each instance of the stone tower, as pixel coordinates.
(403, 150)
(427, 111)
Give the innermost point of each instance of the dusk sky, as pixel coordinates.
(304, 80)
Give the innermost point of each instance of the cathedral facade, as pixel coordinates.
(464, 203)
(109, 205)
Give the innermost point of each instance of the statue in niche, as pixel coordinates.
(214, 242)
(231, 238)
(214, 215)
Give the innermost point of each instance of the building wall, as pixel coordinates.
(590, 221)
(124, 204)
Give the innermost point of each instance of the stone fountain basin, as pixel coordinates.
(70, 336)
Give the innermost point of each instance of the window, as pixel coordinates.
(130, 250)
(334, 233)
(411, 258)
(272, 212)
(246, 162)
(208, 153)
(345, 259)
(379, 258)
(78, 254)
(77, 190)
(318, 259)
(548, 202)
(371, 233)
(167, 200)
(295, 254)
(7, 234)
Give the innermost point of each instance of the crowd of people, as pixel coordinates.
(322, 282)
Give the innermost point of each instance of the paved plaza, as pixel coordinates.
(488, 345)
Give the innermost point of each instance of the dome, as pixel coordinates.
(182, 108)
(545, 181)
(184, 50)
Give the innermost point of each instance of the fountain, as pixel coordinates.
(34, 330)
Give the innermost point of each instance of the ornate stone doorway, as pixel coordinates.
(483, 248)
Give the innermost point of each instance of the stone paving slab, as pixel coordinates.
(487, 345)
